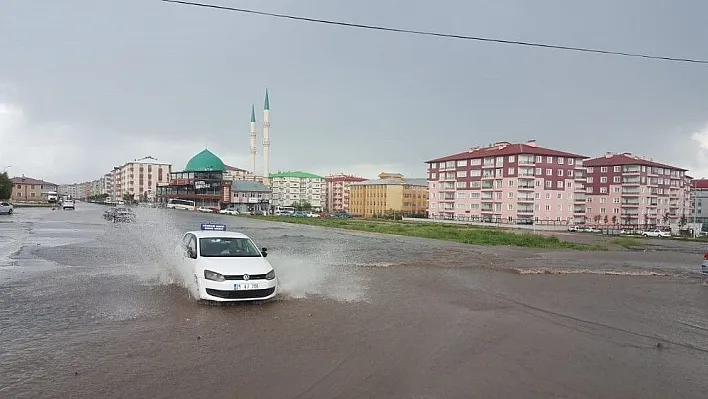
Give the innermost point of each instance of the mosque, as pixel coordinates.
(210, 183)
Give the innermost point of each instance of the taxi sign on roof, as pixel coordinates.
(213, 227)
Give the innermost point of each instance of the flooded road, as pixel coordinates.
(92, 309)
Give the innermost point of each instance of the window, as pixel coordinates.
(539, 171)
(617, 169)
(603, 210)
(603, 179)
(548, 207)
(570, 161)
(560, 196)
(511, 171)
(512, 158)
(228, 247)
(560, 172)
(549, 172)
(589, 179)
(549, 159)
(559, 184)
(603, 190)
(560, 161)
(603, 200)
(570, 172)
(616, 179)
(511, 183)
(548, 196)
(510, 195)
(510, 207)
(462, 173)
(539, 158)
(461, 163)
(549, 184)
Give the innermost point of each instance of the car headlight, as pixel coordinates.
(270, 275)
(214, 276)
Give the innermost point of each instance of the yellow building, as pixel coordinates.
(390, 193)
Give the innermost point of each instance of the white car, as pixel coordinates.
(68, 204)
(227, 266)
(656, 233)
(228, 211)
(6, 208)
(704, 266)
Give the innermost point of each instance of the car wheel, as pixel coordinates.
(9, 212)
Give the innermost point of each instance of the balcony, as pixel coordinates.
(579, 209)
(487, 185)
(525, 187)
(630, 169)
(525, 198)
(631, 181)
(580, 198)
(487, 198)
(525, 210)
(630, 202)
(487, 209)
(630, 191)
(629, 212)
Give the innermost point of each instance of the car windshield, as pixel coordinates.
(228, 247)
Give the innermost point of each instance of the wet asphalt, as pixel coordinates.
(92, 309)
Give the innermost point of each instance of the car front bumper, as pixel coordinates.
(225, 291)
(704, 268)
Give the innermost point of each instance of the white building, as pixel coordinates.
(139, 178)
(297, 188)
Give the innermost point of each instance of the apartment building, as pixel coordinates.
(631, 190)
(516, 183)
(391, 192)
(297, 188)
(699, 202)
(139, 178)
(233, 174)
(249, 196)
(337, 191)
(31, 190)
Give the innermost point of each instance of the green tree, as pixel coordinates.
(5, 186)
(606, 219)
(683, 220)
(614, 219)
(666, 217)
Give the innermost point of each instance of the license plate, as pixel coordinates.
(246, 286)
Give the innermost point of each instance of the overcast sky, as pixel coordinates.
(86, 85)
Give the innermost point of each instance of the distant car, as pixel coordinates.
(656, 233)
(228, 212)
(704, 266)
(68, 204)
(226, 265)
(6, 208)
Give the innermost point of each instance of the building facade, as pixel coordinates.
(337, 191)
(201, 181)
(297, 189)
(139, 178)
(248, 196)
(391, 192)
(699, 202)
(513, 183)
(630, 190)
(232, 173)
(31, 190)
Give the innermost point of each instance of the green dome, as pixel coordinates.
(205, 161)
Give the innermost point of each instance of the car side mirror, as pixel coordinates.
(191, 253)
(264, 252)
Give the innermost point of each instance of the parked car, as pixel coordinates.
(6, 208)
(656, 233)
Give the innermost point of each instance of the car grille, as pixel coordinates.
(250, 277)
(245, 294)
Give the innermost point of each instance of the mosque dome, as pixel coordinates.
(205, 161)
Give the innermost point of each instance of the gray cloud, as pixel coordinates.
(133, 78)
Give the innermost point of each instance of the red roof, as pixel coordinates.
(506, 148)
(626, 159)
(700, 184)
(29, 180)
(342, 177)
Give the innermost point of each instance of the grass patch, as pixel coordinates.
(628, 242)
(460, 233)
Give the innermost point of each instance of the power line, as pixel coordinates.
(437, 34)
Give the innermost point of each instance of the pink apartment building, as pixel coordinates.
(337, 191)
(630, 190)
(518, 183)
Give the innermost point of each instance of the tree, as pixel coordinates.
(597, 218)
(128, 197)
(666, 217)
(5, 186)
(683, 220)
(614, 219)
(607, 219)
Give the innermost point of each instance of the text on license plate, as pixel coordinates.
(246, 286)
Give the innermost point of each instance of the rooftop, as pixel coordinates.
(205, 161)
(393, 179)
(626, 158)
(503, 148)
(148, 160)
(344, 177)
(29, 180)
(234, 169)
(249, 186)
(295, 174)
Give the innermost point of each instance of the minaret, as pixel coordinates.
(266, 140)
(253, 139)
